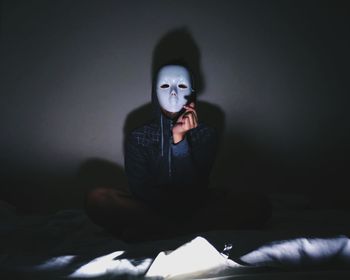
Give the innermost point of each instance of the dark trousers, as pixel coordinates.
(216, 209)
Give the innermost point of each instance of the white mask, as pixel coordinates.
(173, 86)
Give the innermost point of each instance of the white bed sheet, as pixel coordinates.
(64, 243)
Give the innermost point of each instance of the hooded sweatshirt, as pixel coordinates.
(159, 171)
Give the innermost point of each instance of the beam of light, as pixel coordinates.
(55, 263)
(300, 251)
(195, 258)
(109, 265)
(98, 266)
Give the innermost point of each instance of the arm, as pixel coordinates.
(193, 150)
(193, 157)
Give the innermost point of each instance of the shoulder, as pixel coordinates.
(144, 135)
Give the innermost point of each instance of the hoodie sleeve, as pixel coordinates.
(193, 157)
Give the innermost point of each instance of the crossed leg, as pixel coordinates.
(124, 216)
(226, 210)
(130, 219)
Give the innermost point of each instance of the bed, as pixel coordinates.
(298, 242)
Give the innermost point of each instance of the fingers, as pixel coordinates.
(186, 123)
(192, 105)
(191, 108)
(189, 120)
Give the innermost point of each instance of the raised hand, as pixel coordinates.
(187, 121)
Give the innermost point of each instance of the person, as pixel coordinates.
(168, 162)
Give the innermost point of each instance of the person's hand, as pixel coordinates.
(185, 122)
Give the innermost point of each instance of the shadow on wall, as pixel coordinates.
(176, 45)
(96, 172)
(241, 163)
(179, 45)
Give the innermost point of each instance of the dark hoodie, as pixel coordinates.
(160, 171)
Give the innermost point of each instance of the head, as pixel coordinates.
(174, 88)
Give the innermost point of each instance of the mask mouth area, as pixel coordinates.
(173, 100)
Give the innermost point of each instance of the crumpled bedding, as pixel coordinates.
(67, 244)
(301, 252)
(197, 258)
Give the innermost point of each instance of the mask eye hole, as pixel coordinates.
(164, 86)
(183, 86)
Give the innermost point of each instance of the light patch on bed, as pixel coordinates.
(98, 266)
(109, 265)
(197, 257)
(55, 263)
(300, 251)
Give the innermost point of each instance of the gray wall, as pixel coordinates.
(274, 75)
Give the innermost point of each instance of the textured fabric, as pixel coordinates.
(159, 171)
(180, 149)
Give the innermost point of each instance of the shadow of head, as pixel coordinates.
(179, 47)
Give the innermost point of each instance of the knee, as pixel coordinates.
(103, 198)
(107, 198)
(101, 207)
(97, 196)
